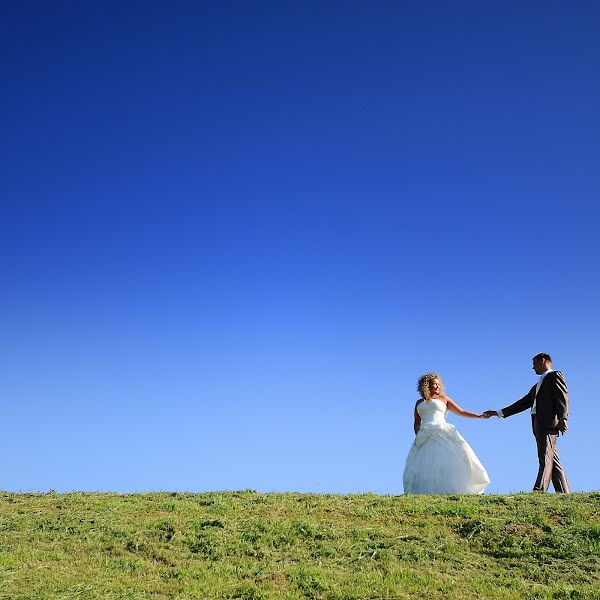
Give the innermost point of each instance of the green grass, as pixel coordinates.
(259, 546)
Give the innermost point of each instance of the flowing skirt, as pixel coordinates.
(441, 462)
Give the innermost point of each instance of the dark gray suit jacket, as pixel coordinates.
(552, 401)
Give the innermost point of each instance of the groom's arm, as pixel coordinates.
(519, 406)
(560, 399)
(560, 396)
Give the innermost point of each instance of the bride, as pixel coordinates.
(440, 461)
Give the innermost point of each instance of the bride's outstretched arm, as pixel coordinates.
(461, 412)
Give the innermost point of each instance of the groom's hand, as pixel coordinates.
(489, 413)
(562, 426)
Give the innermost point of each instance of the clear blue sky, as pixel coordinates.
(234, 234)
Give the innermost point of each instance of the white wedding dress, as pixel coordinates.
(440, 461)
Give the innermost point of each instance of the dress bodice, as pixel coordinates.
(432, 412)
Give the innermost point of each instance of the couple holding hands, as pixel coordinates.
(441, 462)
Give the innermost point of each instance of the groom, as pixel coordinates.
(549, 404)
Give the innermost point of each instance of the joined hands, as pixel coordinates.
(489, 413)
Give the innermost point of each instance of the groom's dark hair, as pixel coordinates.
(544, 356)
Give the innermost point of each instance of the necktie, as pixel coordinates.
(537, 389)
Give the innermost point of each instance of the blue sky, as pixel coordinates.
(233, 236)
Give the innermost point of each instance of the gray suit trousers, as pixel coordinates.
(550, 467)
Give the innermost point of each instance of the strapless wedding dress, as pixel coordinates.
(440, 461)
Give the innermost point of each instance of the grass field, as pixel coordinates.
(249, 545)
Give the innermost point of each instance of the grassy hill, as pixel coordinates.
(251, 546)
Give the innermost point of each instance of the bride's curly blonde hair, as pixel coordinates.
(423, 385)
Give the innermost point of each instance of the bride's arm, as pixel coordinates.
(461, 412)
(417, 424)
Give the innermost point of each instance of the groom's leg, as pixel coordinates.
(559, 477)
(546, 445)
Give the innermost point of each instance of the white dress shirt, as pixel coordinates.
(537, 389)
